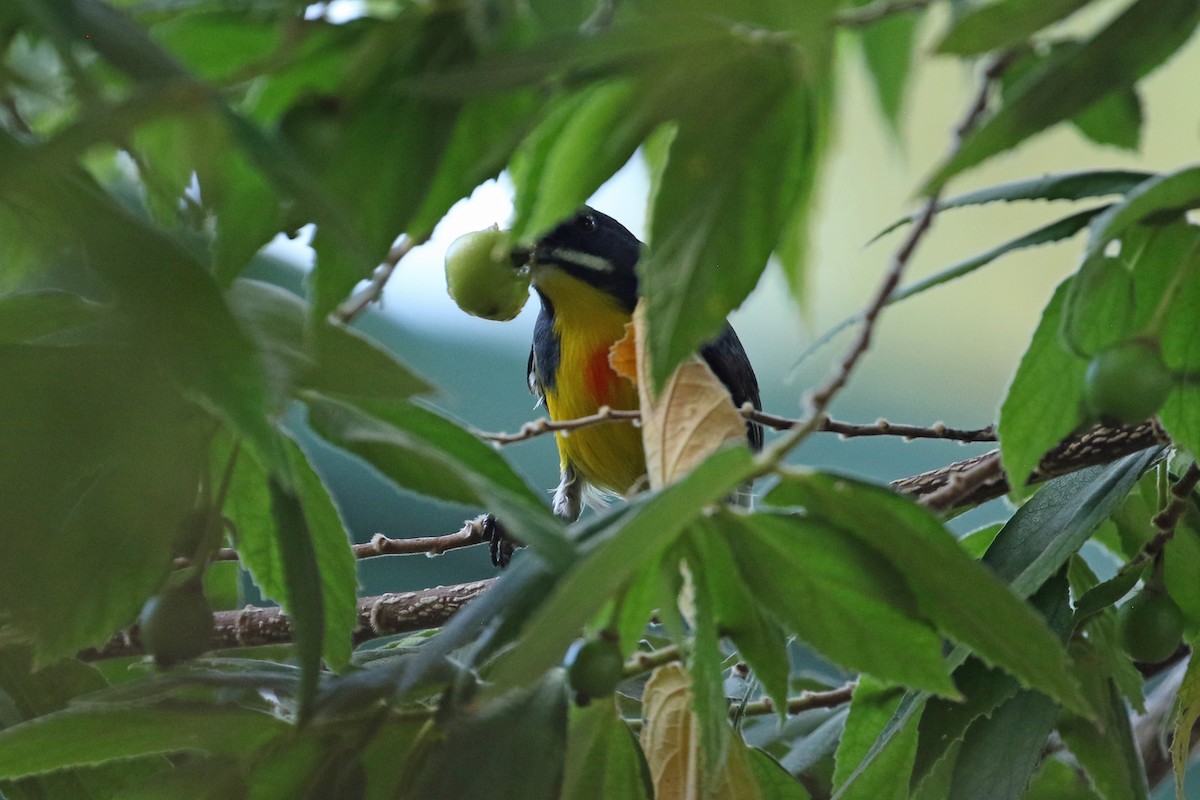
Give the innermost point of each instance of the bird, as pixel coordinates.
(584, 272)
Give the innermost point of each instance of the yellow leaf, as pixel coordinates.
(671, 741)
(692, 417)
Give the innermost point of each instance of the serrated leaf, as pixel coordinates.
(838, 596)
(1099, 307)
(31, 317)
(303, 585)
(1115, 119)
(606, 121)
(1105, 748)
(708, 688)
(1146, 34)
(1057, 780)
(1040, 406)
(102, 457)
(864, 770)
(1057, 186)
(496, 740)
(603, 758)
(887, 48)
(321, 355)
(989, 619)
(613, 556)
(96, 734)
(730, 187)
(1055, 522)
(760, 640)
(1168, 193)
(1054, 232)
(995, 25)
(1018, 729)
(1187, 711)
(425, 452)
(774, 782)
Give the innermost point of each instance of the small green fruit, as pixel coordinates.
(481, 277)
(176, 625)
(1150, 626)
(1128, 382)
(594, 667)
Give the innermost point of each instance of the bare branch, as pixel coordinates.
(805, 701)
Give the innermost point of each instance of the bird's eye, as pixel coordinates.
(586, 222)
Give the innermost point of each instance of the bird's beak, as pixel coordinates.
(522, 255)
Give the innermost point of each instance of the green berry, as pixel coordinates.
(176, 625)
(481, 277)
(1150, 626)
(594, 667)
(1128, 382)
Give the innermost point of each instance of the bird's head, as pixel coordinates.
(590, 247)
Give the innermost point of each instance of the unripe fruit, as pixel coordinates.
(481, 277)
(594, 667)
(1150, 626)
(176, 625)
(1128, 382)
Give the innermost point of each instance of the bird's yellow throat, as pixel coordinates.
(587, 321)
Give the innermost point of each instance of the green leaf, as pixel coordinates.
(872, 710)
(486, 133)
(989, 619)
(774, 782)
(1055, 522)
(1165, 194)
(1115, 119)
(1187, 703)
(1002, 23)
(708, 685)
(972, 723)
(1057, 780)
(1018, 729)
(1057, 186)
(321, 355)
(214, 778)
(1105, 748)
(731, 185)
(103, 458)
(837, 595)
(96, 734)
(760, 640)
(302, 580)
(1099, 308)
(612, 558)
(430, 454)
(603, 758)
(496, 741)
(32, 317)
(1041, 405)
(263, 547)
(887, 48)
(1146, 34)
(607, 122)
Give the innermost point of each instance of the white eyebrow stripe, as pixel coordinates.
(581, 259)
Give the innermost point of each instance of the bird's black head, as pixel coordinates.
(594, 248)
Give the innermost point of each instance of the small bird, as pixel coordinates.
(584, 274)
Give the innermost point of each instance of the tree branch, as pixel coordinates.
(384, 615)
(373, 291)
(863, 16)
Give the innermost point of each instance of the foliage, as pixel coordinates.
(159, 403)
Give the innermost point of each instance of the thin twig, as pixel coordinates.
(963, 484)
(882, 9)
(384, 615)
(358, 302)
(805, 701)
(847, 430)
(639, 663)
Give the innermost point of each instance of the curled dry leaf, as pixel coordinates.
(692, 417)
(671, 741)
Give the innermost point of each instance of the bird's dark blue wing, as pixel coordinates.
(729, 362)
